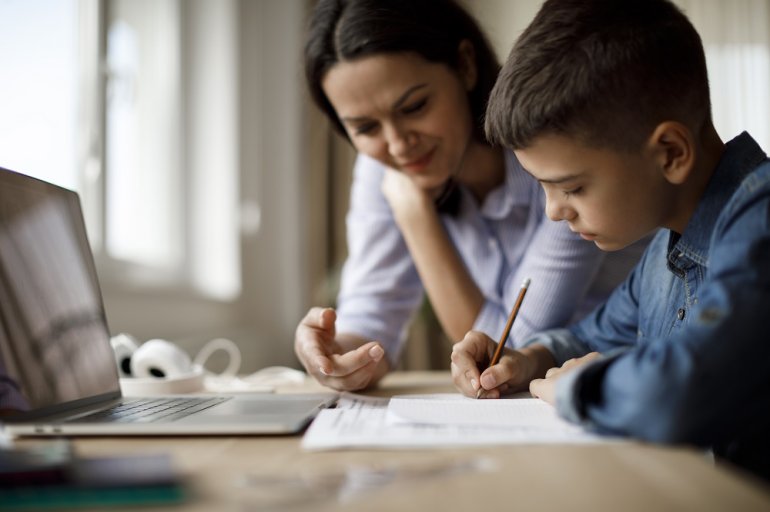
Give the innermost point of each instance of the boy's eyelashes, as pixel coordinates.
(573, 191)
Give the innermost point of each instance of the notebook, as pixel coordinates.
(58, 375)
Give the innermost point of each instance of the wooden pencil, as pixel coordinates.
(500, 344)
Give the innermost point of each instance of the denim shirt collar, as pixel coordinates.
(741, 156)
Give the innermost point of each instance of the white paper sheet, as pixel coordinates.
(364, 422)
(456, 409)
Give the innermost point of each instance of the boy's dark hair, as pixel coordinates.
(344, 30)
(605, 72)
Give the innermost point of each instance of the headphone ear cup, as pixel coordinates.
(160, 359)
(124, 345)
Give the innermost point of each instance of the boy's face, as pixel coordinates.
(609, 197)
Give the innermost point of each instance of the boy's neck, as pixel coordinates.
(709, 150)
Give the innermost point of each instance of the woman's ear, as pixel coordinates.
(673, 147)
(466, 58)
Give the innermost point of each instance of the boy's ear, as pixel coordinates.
(466, 58)
(674, 148)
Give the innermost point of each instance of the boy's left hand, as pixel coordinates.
(545, 389)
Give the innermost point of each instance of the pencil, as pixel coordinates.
(499, 350)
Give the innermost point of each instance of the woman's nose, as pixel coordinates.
(400, 140)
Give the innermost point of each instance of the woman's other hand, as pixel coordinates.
(347, 363)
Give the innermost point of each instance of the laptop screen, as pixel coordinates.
(54, 340)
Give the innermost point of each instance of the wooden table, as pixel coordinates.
(273, 473)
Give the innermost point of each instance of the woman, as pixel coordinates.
(434, 208)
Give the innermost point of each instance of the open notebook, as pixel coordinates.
(58, 375)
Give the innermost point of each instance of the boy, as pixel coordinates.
(606, 103)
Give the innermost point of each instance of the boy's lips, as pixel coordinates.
(584, 235)
(418, 164)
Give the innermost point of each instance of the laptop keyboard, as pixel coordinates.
(150, 410)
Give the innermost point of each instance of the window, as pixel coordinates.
(39, 52)
(143, 183)
(132, 103)
(188, 155)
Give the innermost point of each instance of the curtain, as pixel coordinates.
(736, 37)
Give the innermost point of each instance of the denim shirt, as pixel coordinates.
(686, 338)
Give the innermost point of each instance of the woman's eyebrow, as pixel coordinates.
(396, 104)
(400, 101)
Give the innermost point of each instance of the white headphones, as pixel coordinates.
(160, 359)
(159, 365)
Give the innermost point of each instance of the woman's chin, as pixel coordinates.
(432, 186)
(438, 192)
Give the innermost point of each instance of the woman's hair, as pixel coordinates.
(344, 30)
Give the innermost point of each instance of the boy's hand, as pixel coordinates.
(348, 366)
(512, 373)
(545, 389)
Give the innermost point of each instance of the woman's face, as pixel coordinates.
(410, 114)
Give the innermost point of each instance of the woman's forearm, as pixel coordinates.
(453, 294)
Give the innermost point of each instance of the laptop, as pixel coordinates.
(58, 374)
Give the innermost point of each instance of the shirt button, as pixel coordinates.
(680, 314)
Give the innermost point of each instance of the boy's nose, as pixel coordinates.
(553, 210)
(556, 210)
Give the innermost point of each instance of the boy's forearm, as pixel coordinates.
(561, 344)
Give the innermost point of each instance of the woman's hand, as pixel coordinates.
(346, 364)
(545, 389)
(405, 198)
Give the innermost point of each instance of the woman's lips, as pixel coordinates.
(419, 164)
